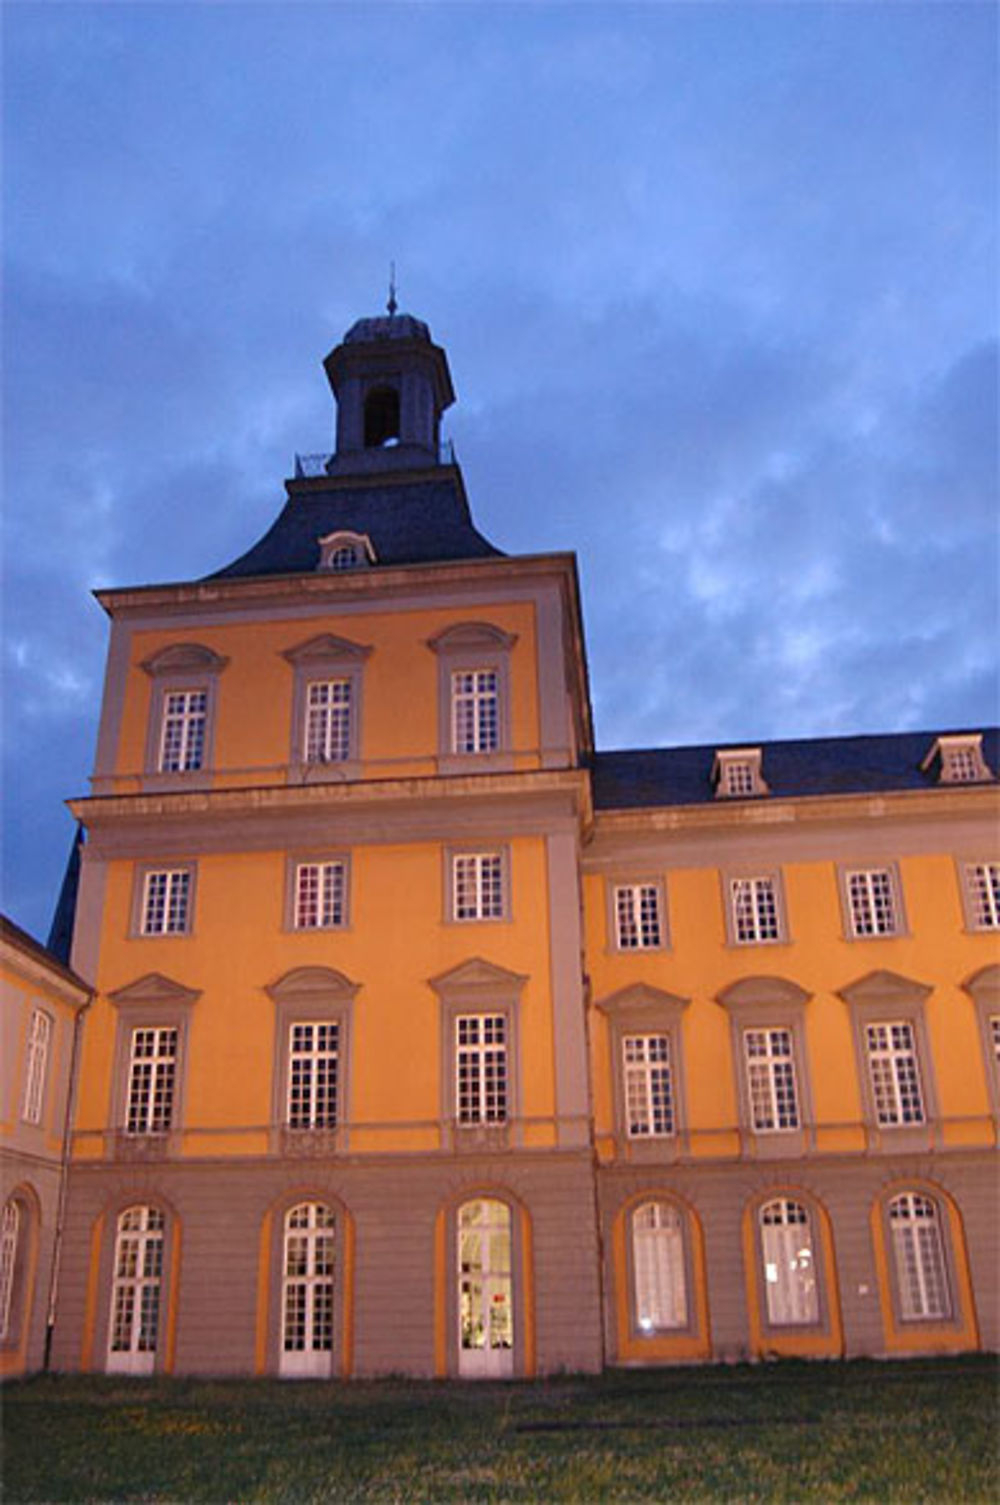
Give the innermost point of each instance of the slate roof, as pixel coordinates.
(409, 522)
(658, 777)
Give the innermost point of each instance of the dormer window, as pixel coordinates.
(737, 774)
(345, 551)
(959, 759)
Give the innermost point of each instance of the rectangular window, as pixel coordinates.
(313, 1059)
(983, 884)
(328, 721)
(756, 916)
(475, 710)
(738, 778)
(770, 1068)
(895, 1074)
(477, 886)
(872, 902)
(320, 895)
(481, 1068)
(995, 1038)
(36, 1066)
(166, 899)
(638, 919)
(182, 737)
(649, 1096)
(152, 1080)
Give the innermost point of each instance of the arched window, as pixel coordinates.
(136, 1291)
(307, 1290)
(485, 1305)
(660, 1280)
(918, 1257)
(10, 1228)
(381, 417)
(789, 1261)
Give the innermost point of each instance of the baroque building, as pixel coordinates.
(428, 1039)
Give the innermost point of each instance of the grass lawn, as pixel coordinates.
(921, 1430)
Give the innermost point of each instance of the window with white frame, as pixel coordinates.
(737, 773)
(638, 915)
(329, 712)
(481, 1068)
(770, 1067)
(152, 1079)
(475, 710)
(894, 1073)
(36, 1065)
(477, 885)
(918, 1258)
(649, 1090)
(320, 901)
(313, 1066)
(755, 909)
(182, 733)
(959, 758)
(995, 1038)
(872, 903)
(135, 1298)
(789, 1263)
(307, 1292)
(10, 1228)
(166, 901)
(660, 1278)
(982, 883)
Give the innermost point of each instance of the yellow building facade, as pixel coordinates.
(427, 1039)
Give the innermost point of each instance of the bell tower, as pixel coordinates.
(391, 384)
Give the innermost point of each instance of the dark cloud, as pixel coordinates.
(716, 284)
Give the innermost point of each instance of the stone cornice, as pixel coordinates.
(536, 786)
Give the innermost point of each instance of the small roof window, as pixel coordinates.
(736, 773)
(958, 759)
(345, 551)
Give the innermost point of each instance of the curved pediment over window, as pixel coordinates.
(641, 998)
(312, 985)
(985, 983)
(184, 658)
(474, 635)
(344, 550)
(750, 992)
(326, 648)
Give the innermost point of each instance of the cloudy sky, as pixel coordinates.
(717, 286)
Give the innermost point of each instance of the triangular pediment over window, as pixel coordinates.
(477, 976)
(884, 987)
(154, 988)
(325, 648)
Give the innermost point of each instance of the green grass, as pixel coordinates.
(912, 1431)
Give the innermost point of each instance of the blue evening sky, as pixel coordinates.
(717, 284)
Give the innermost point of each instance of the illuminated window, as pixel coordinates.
(135, 1299)
(660, 1281)
(789, 1264)
(307, 1293)
(485, 1290)
(10, 1228)
(918, 1256)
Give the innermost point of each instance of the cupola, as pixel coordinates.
(391, 384)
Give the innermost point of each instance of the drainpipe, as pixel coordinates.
(50, 1318)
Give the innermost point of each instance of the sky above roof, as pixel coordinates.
(717, 287)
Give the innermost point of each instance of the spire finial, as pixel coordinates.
(392, 305)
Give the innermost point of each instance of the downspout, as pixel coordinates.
(50, 1318)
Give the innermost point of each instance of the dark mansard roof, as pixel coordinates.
(651, 777)
(412, 521)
